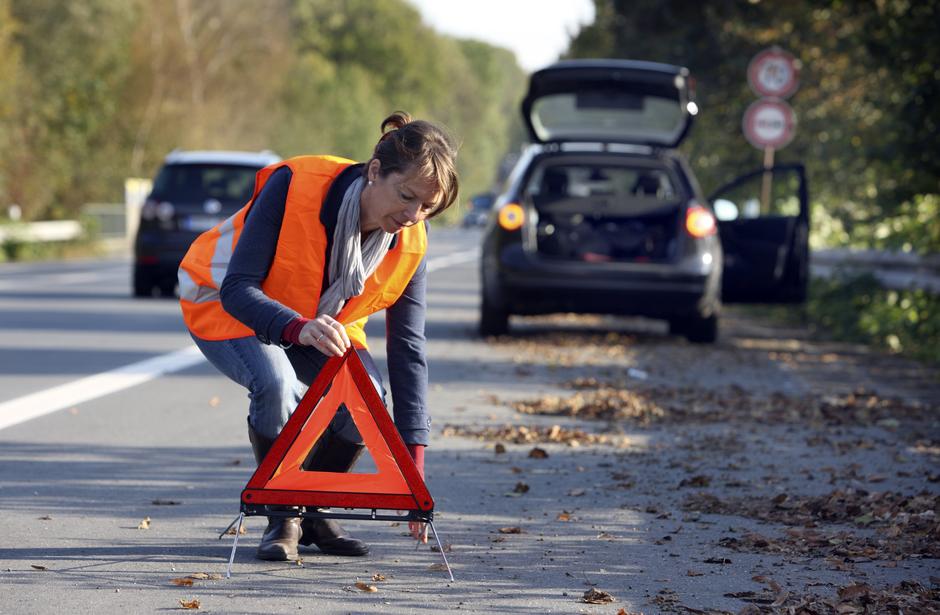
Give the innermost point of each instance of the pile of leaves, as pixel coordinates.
(616, 401)
(604, 403)
(521, 434)
(564, 349)
(906, 525)
(855, 599)
(840, 548)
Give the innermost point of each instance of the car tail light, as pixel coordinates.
(149, 210)
(165, 211)
(511, 216)
(699, 222)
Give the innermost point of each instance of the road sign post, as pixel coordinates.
(770, 123)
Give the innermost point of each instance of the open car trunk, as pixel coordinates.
(604, 213)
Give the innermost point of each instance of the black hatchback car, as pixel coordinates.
(602, 215)
(193, 191)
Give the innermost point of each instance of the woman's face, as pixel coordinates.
(396, 200)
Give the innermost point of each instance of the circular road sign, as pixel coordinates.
(774, 72)
(769, 123)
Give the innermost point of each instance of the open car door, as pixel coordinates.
(765, 240)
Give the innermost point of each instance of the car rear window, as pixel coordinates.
(199, 182)
(584, 181)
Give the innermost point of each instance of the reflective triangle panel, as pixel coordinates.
(280, 478)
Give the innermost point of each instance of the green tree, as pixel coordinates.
(357, 61)
(75, 54)
(93, 91)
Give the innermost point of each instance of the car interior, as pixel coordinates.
(604, 212)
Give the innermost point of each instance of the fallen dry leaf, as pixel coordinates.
(38, 567)
(202, 576)
(241, 532)
(563, 516)
(45, 518)
(378, 576)
(438, 567)
(521, 487)
(851, 592)
(182, 581)
(699, 480)
(145, 524)
(189, 604)
(366, 587)
(510, 530)
(499, 449)
(694, 573)
(538, 453)
(596, 596)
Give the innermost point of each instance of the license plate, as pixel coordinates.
(200, 223)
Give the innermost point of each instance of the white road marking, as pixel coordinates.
(85, 389)
(34, 405)
(46, 280)
(456, 258)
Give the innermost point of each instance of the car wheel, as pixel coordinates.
(701, 330)
(143, 283)
(168, 288)
(493, 320)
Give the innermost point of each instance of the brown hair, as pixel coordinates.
(416, 145)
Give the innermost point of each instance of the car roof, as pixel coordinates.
(642, 65)
(254, 159)
(590, 147)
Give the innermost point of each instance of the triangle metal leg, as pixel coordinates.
(238, 530)
(441, 547)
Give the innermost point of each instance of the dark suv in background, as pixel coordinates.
(602, 214)
(193, 191)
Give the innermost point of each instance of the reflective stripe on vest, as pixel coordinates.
(296, 273)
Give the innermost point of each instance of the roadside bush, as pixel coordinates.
(858, 309)
(913, 227)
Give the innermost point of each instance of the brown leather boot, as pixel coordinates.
(331, 454)
(279, 541)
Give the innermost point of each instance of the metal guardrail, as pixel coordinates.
(51, 230)
(894, 270)
(110, 218)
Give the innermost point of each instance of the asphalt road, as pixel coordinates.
(107, 419)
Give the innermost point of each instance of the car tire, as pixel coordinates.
(701, 330)
(168, 288)
(493, 321)
(143, 284)
(676, 326)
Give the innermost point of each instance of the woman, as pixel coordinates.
(289, 280)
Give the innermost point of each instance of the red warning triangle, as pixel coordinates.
(280, 479)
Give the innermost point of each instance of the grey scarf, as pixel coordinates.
(351, 261)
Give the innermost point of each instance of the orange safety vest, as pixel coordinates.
(296, 273)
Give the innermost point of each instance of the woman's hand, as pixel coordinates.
(419, 531)
(326, 334)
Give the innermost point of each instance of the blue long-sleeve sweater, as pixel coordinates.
(243, 298)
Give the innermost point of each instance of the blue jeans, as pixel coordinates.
(277, 379)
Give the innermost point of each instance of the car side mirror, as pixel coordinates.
(725, 210)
